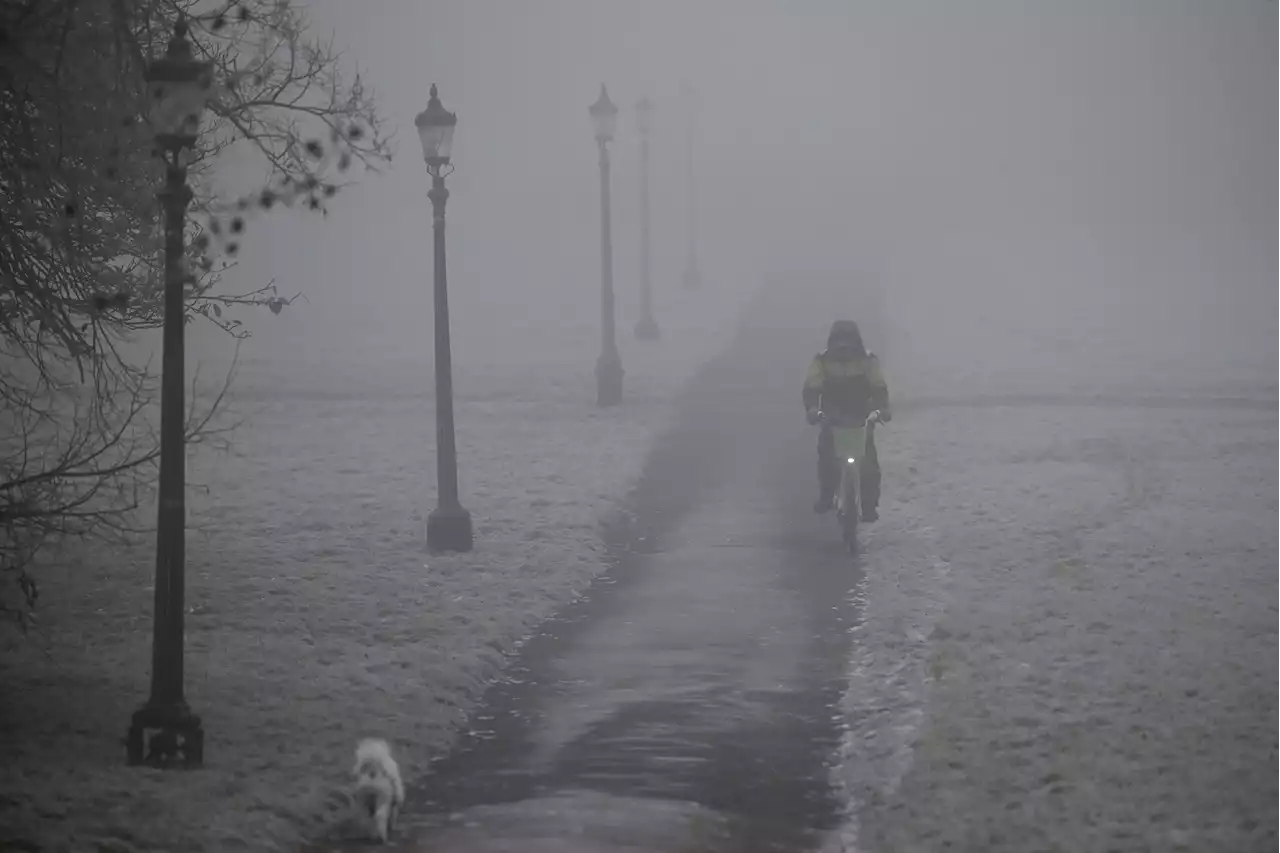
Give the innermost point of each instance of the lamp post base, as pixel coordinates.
(609, 375)
(647, 329)
(449, 529)
(176, 736)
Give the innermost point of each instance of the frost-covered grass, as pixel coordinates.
(316, 615)
(1070, 633)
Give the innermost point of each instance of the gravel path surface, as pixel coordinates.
(687, 701)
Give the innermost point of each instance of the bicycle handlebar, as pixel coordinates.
(873, 418)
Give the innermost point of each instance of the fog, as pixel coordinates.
(1091, 182)
(651, 635)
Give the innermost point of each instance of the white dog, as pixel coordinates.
(379, 792)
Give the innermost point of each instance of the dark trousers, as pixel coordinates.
(829, 468)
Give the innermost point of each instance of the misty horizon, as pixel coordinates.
(1019, 168)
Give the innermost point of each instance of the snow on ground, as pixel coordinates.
(1077, 652)
(1070, 609)
(316, 615)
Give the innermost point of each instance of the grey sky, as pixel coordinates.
(1104, 146)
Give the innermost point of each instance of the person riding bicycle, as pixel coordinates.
(844, 383)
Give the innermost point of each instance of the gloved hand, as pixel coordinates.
(812, 416)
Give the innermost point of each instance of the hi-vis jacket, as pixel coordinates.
(846, 390)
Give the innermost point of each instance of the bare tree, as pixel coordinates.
(80, 240)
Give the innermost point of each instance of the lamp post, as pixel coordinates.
(692, 276)
(449, 524)
(647, 326)
(178, 89)
(609, 370)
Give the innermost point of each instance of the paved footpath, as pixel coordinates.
(1061, 637)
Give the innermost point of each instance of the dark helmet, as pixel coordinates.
(845, 335)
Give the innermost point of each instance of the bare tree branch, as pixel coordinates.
(80, 237)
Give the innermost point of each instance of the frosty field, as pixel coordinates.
(1073, 580)
(1071, 633)
(310, 592)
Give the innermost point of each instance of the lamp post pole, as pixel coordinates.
(449, 524)
(692, 275)
(647, 326)
(609, 370)
(178, 87)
